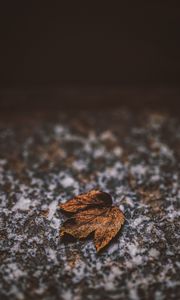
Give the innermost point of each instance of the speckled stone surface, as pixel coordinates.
(44, 161)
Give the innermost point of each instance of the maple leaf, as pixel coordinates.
(92, 213)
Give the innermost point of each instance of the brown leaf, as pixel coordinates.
(93, 198)
(92, 213)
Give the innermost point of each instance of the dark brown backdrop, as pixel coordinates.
(49, 46)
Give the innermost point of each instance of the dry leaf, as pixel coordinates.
(93, 198)
(92, 213)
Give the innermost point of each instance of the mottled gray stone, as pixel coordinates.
(44, 161)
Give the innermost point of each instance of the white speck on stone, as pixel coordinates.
(92, 136)
(133, 293)
(79, 272)
(67, 182)
(118, 151)
(15, 293)
(154, 253)
(99, 152)
(52, 209)
(133, 250)
(107, 135)
(55, 223)
(138, 170)
(40, 290)
(52, 187)
(166, 151)
(172, 214)
(139, 220)
(67, 295)
(129, 201)
(79, 165)
(58, 129)
(138, 260)
(109, 285)
(51, 253)
(22, 204)
(113, 248)
(155, 178)
(14, 271)
(122, 208)
(3, 162)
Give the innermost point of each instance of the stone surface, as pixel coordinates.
(45, 161)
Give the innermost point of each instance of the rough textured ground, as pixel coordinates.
(44, 161)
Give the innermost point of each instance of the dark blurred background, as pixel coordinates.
(87, 55)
